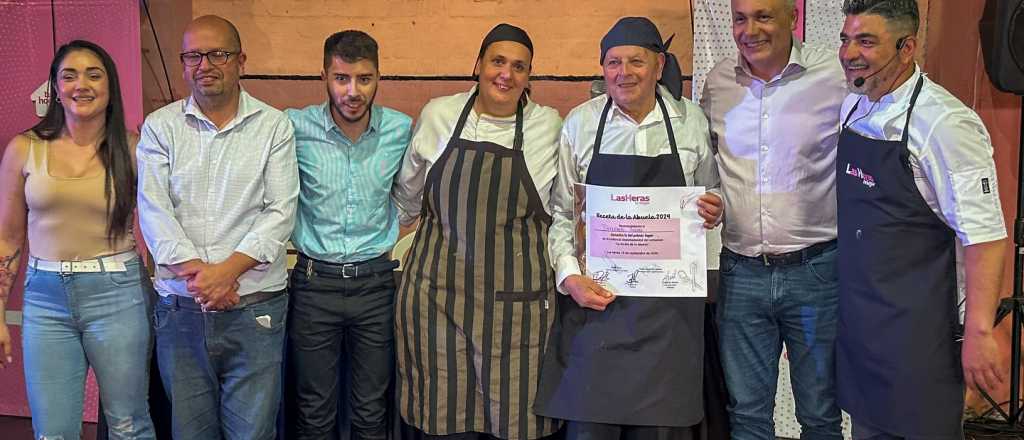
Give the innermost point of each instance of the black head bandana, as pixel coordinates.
(504, 32)
(640, 31)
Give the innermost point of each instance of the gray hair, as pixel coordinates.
(901, 15)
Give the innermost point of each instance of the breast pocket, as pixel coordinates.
(689, 160)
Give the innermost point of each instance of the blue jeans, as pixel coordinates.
(760, 307)
(221, 370)
(74, 321)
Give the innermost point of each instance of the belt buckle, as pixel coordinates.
(345, 270)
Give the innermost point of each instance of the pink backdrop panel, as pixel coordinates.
(800, 19)
(29, 28)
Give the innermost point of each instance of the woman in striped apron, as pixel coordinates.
(474, 305)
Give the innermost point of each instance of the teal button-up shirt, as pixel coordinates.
(345, 212)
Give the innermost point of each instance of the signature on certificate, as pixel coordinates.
(632, 280)
(682, 277)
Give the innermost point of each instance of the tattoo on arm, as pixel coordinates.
(8, 272)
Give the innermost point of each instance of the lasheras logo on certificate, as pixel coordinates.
(642, 199)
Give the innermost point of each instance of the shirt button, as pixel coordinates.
(764, 116)
(764, 148)
(764, 180)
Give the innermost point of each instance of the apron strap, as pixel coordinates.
(853, 110)
(910, 110)
(457, 132)
(668, 126)
(664, 114)
(517, 143)
(600, 126)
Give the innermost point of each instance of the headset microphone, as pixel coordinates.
(859, 81)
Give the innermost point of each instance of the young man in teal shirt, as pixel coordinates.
(342, 286)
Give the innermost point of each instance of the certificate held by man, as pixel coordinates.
(642, 241)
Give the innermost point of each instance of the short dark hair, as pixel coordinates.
(351, 46)
(901, 15)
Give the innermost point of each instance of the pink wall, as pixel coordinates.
(800, 18)
(26, 50)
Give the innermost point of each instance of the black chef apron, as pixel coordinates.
(640, 361)
(473, 307)
(898, 367)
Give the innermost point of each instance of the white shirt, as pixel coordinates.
(206, 192)
(776, 145)
(622, 135)
(950, 155)
(435, 127)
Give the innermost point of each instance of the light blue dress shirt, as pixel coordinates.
(345, 212)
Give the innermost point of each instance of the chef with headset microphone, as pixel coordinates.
(920, 226)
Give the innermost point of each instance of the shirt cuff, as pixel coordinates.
(264, 251)
(168, 252)
(979, 238)
(567, 265)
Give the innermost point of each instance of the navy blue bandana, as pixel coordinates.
(640, 31)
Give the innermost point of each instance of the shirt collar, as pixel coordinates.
(654, 116)
(246, 108)
(902, 93)
(796, 62)
(376, 119)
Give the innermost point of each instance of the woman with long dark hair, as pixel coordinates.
(67, 185)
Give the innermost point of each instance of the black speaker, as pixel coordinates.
(1002, 43)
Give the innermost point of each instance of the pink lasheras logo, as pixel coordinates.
(642, 199)
(865, 178)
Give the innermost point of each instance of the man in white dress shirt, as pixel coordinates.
(218, 184)
(920, 225)
(774, 114)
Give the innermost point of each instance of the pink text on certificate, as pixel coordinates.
(647, 239)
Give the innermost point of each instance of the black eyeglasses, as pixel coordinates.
(216, 57)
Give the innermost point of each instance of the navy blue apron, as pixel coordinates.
(898, 367)
(640, 361)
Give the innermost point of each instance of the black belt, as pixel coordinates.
(787, 259)
(189, 302)
(372, 266)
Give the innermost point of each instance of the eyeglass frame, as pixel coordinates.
(227, 57)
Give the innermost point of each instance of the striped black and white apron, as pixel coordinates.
(473, 306)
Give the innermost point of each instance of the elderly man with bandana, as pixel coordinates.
(627, 367)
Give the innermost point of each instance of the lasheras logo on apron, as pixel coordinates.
(865, 178)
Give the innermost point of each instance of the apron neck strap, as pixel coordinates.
(517, 144)
(910, 110)
(849, 115)
(600, 125)
(664, 116)
(668, 124)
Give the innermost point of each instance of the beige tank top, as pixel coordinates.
(67, 217)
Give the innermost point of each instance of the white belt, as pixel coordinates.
(109, 263)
